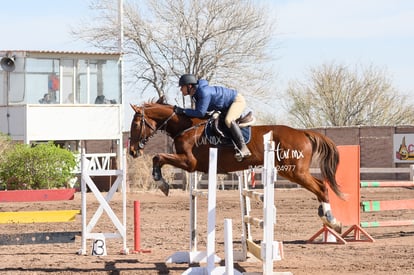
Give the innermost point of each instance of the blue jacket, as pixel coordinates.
(208, 98)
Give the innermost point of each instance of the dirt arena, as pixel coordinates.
(165, 230)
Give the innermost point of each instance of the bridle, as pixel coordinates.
(145, 123)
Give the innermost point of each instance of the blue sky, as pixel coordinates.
(354, 32)
(308, 33)
(41, 24)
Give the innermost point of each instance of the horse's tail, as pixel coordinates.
(328, 159)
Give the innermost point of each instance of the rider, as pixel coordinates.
(215, 98)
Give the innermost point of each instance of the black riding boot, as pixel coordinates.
(237, 135)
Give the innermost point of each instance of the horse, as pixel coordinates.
(294, 151)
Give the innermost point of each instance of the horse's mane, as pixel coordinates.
(162, 101)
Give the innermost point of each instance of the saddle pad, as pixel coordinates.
(213, 138)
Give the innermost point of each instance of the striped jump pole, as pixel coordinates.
(386, 205)
(389, 205)
(365, 184)
(375, 206)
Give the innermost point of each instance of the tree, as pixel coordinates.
(336, 95)
(220, 40)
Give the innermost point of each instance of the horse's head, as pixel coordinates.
(141, 130)
(147, 120)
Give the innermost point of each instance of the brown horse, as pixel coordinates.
(294, 150)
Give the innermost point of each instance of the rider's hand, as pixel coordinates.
(178, 110)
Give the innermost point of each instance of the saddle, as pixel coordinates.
(245, 120)
(216, 129)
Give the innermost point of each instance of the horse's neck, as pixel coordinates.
(161, 118)
(181, 124)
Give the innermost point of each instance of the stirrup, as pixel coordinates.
(240, 156)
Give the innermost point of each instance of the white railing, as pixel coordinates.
(95, 162)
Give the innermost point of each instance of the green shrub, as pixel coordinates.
(43, 166)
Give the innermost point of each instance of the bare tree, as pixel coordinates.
(335, 95)
(220, 40)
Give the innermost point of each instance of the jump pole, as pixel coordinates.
(380, 205)
(29, 217)
(365, 184)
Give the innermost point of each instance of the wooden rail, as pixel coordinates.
(378, 170)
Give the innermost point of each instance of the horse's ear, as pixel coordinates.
(161, 100)
(134, 107)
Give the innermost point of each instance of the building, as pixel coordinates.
(71, 98)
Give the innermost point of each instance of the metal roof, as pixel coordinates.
(55, 52)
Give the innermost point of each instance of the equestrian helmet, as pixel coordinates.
(187, 79)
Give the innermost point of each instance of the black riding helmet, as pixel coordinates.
(187, 79)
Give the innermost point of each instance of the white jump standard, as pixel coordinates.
(269, 250)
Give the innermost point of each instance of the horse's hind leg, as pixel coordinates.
(325, 213)
(317, 187)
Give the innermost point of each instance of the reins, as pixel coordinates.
(189, 129)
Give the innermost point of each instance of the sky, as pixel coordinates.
(352, 32)
(308, 33)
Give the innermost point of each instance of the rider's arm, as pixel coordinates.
(202, 103)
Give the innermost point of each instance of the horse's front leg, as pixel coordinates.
(177, 160)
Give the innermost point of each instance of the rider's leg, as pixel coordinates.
(239, 140)
(234, 112)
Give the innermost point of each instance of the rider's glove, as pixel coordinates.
(178, 110)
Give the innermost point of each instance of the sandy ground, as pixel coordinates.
(165, 230)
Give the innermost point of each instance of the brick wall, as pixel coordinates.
(376, 146)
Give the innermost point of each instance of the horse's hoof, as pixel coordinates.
(337, 226)
(165, 188)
